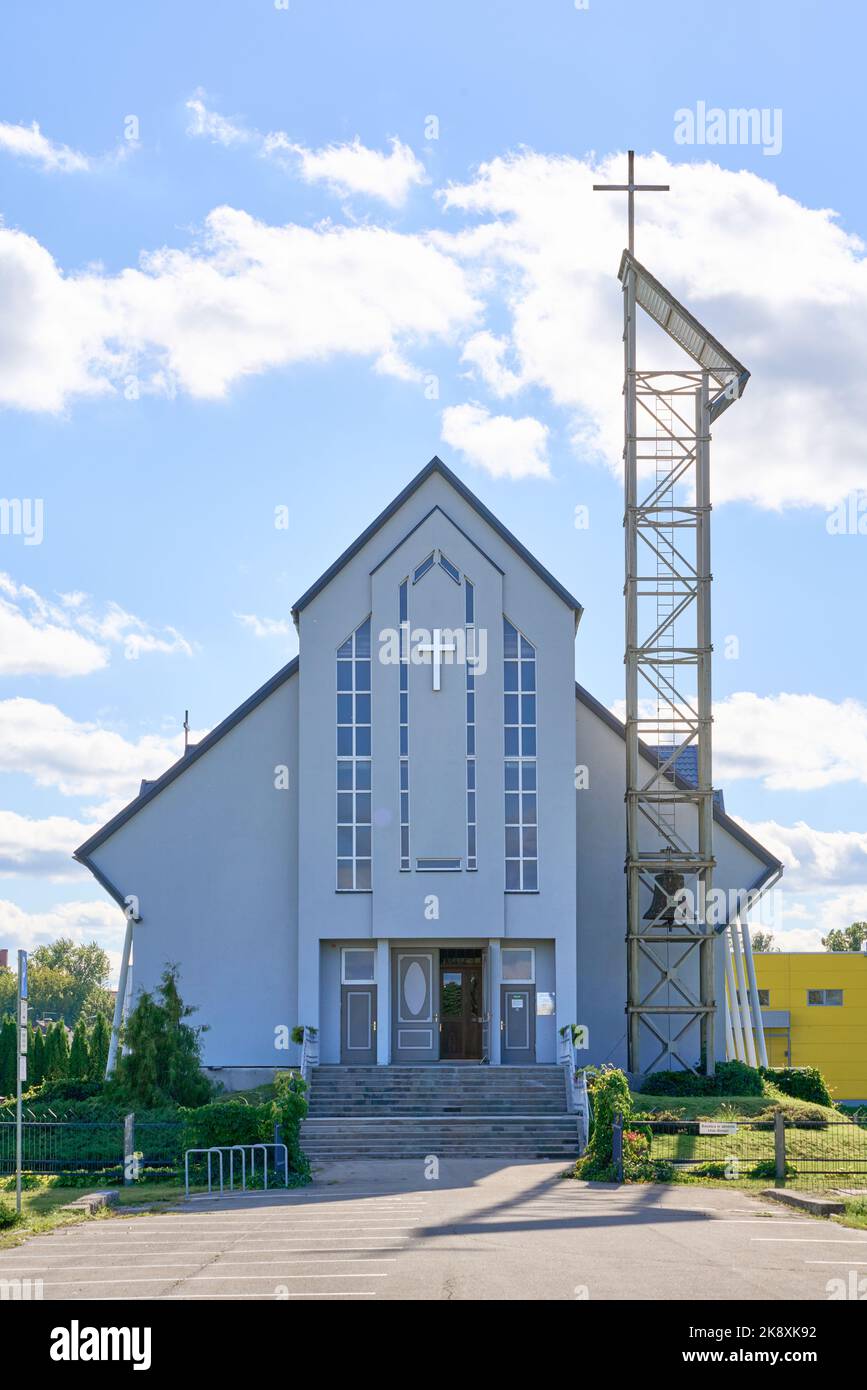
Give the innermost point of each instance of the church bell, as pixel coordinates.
(667, 886)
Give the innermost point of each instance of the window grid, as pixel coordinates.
(519, 722)
(825, 998)
(472, 823)
(354, 763)
(403, 752)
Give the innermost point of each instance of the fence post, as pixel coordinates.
(128, 1149)
(617, 1146)
(779, 1149)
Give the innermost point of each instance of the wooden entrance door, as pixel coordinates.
(461, 1011)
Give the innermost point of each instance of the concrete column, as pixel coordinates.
(383, 1003)
(495, 975)
(308, 982)
(566, 983)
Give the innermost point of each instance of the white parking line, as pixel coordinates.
(226, 1278)
(805, 1240)
(36, 1270)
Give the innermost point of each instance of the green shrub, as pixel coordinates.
(768, 1169)
(730, 1079)
(803, 1083)
(227, 1122)
(609, 1095)
(9, 1217)
(75, 1088)
(291, 1107)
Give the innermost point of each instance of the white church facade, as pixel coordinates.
(412, 837)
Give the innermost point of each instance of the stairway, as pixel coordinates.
(451, 1111)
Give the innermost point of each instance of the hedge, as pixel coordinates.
(803, 1083)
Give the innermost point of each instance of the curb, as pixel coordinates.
(92, 1201)
(804, 1201)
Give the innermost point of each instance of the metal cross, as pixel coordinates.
(631, 188)
(437, 647)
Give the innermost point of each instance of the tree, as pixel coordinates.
(763, 941)
(8, 1053)
(67, 979)
(100, 1036)
(79, 1053)
(163, 1060)
(8, 991)
(36, 1058)
(850, 938)
(56, 1053)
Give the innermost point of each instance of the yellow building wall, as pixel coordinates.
(830, 1037)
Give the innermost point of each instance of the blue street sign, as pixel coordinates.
(22, 974)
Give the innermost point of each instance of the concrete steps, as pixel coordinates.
(456, 1112)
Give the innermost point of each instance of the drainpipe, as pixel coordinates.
(131, 912)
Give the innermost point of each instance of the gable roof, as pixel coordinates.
(652, 755)
(436, 465)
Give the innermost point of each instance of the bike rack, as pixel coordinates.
(231, 1150)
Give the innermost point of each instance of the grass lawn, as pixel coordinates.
(855, 1214)
(817, 1153)
(42, 1205)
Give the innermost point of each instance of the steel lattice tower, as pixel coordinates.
(669, 817)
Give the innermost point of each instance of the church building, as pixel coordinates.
(411, 838)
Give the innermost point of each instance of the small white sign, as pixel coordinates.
(22, 1005)
(22, 1066)
(517, 1003)
(716, 1127)
(22, 1041)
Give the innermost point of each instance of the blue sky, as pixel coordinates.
(139, 404)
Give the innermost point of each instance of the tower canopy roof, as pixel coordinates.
(684, 328)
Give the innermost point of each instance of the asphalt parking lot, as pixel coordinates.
(482, 1231)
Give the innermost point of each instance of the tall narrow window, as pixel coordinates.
(519, 721)
(470, 614)
(403, 756)
(353, 762)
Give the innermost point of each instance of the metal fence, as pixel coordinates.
(77, 1146)
(779, 1151)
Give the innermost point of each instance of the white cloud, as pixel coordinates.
(815, 859)
(99, 921)
(353, 167)
(265, 627)
(782, 285)
(248, 298)
(825, 881)
(41, 847)
(212, 126)
(346, 168)
(76, 758)
(68, 637)
(503, 446)
(485, 352)
(788, 742)
(28, 142)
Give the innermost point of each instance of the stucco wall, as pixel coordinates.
(213, 860)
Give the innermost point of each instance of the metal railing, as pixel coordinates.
(241, 1150)
(67, 1146)
(779, 1150)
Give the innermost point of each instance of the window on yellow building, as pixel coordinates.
(825, 997)
(764, 998)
